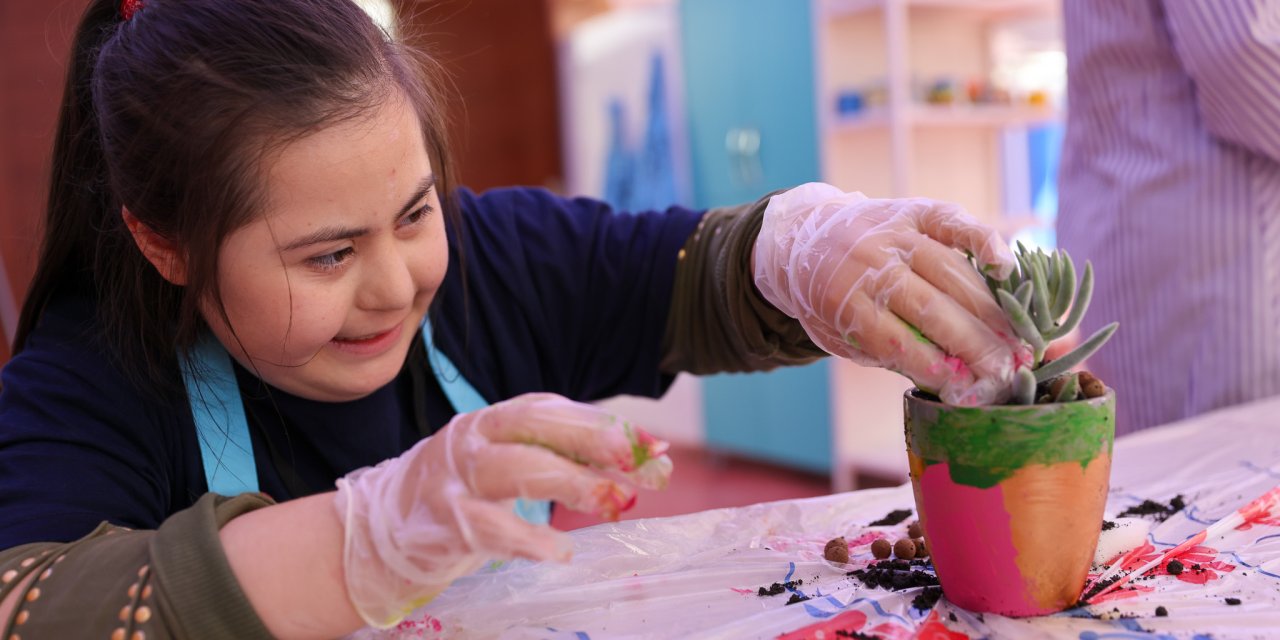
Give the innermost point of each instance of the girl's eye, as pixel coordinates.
(331, 261)
(415, 216)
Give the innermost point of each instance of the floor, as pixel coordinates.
(702, 480)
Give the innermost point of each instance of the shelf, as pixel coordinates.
(937, 116)
(981, 115)
(994, 8)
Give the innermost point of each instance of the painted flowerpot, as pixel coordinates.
(1011, 498)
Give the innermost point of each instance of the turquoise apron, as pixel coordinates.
(223, 431)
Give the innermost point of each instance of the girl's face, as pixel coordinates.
(326, 291)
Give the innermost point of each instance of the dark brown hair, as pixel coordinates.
(170, 114)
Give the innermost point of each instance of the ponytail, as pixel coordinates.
(78, 193)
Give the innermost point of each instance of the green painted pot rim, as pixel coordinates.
(913, 396)
(984, 445)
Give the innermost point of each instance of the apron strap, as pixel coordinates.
(221, 427)
(466, 399)
(225, 448)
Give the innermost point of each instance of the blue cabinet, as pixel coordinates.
(750, 100)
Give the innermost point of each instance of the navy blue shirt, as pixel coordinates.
(561, 295)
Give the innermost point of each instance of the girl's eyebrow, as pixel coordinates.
(333, 234)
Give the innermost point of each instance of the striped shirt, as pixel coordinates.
(1170, 185)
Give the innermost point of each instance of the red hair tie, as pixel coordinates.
(129, 7)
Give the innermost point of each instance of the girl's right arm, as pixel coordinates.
(391, 538)
(173, 582)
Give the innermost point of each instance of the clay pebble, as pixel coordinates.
(914, 531)
(904, 549)
(1091, 386)
(881, 548)
(922, 550)
(837, 550)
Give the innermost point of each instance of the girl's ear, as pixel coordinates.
(159, 250)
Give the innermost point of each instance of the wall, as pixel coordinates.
(36, 39)
(502, 61)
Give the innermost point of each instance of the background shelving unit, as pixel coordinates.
(902, 146)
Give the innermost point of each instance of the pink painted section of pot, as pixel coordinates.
(975, 559)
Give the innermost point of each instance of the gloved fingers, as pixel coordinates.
(891, 343)
(954, 227)
(494, 530)
(952, 274)
(506, 471)
(939, 318)
(581, 432)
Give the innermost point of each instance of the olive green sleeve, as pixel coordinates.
(718, 321)
(174, 582)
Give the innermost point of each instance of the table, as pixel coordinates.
(699, 575)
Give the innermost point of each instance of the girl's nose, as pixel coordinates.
(388, 283)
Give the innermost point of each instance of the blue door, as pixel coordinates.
(750, 99)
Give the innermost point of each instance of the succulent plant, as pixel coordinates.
(1043, 304)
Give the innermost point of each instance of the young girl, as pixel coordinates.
(252, 218)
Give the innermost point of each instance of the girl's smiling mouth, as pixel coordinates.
(369, 344)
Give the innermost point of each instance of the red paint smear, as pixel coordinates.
(1123, 593)
(934, 629)
(889, 631)
(957, 366)
(1261, 508)
(745, 592)
(847, 621)
(1206, 557)
(867, 538)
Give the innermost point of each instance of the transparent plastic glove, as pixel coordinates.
(415, 523)
(881, 282)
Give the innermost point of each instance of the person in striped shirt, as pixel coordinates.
(1170, 185)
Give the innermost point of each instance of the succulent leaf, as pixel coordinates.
(1039, 299)
(1077, 355)
(1023, 295)
(1078, 307)
(1024, 387)
(1021, 321)
(1070, 389)
(1067, 292)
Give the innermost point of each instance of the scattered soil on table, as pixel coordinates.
(1232, 601)
(1174, 567)
(1161, 612)
(857, 635)
(795, 597)
(778, 588)
(1115, 614)
(892, 518)
(927, 598)
(896, 575)
(1159, 512)
(1108, 525)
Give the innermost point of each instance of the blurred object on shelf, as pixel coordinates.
(849, 102)
(941, 91)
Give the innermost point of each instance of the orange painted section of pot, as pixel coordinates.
(1055, 513)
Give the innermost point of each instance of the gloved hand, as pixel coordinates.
(415, 523)
(881, 283)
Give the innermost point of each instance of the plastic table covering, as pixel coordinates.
(699, 575)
